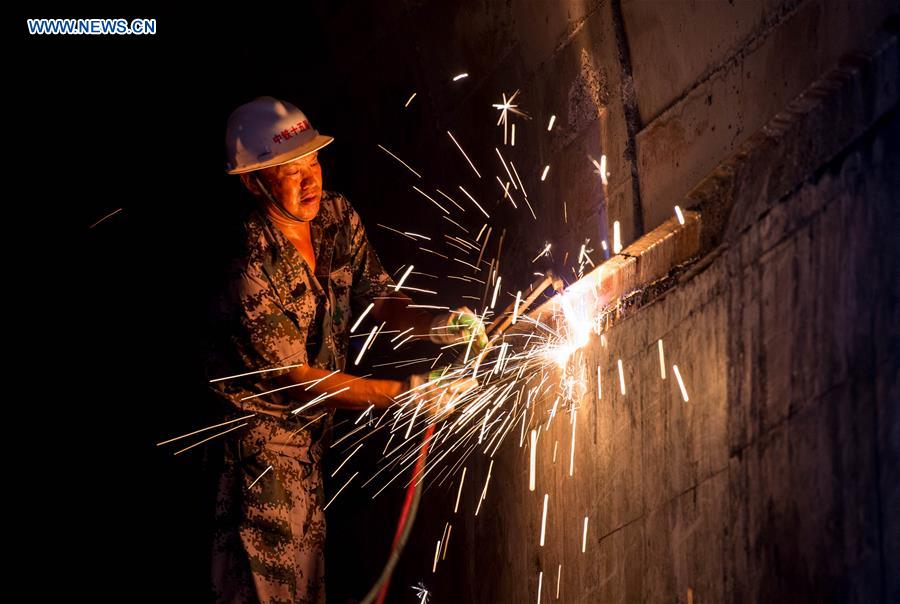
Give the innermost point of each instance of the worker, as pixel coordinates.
(305, 274)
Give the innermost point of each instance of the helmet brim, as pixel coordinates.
(321, 140)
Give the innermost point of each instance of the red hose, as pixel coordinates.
(407, 504)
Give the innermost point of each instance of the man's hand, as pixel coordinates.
(459, 326)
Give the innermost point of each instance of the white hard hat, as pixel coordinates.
(267, 132)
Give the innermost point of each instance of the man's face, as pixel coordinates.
(296, 185)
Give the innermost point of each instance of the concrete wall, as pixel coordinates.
(777, 481)
(709, 75)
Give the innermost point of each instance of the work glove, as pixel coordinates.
(459, 326)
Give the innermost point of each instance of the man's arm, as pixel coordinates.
(272, 339)
(355, 393)
(349, 392)
(352, 392)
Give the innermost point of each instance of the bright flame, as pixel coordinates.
(579, 305)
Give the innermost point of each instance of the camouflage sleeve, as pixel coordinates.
(369, 278)
(267, 335)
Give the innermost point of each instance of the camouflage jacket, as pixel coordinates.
(276, 312)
